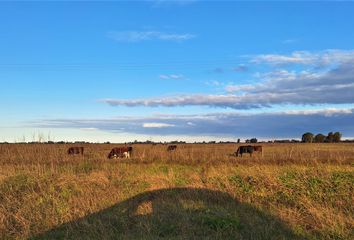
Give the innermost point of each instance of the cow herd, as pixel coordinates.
(125, 152)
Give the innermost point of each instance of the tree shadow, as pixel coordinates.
(176, 213)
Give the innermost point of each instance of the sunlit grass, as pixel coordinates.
(296, 191)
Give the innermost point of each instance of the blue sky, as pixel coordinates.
(163, 70)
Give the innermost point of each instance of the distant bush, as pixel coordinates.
(307, 137)
(319, 138)
(252, 140)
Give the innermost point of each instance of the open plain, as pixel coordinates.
(198, 191)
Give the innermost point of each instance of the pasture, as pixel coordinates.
(198, 191)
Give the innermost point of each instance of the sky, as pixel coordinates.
(175, 70)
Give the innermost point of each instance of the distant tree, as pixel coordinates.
(320, 138)
(238, 140)
(247, 141)
(253, 140)
(307, 137)
(337, 137)
(330, 137)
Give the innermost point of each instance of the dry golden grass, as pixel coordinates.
(293, 191)
(307, 154)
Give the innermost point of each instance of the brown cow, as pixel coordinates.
(76, 150)
(248, 149)
(118, 152)
(258, 148)
(171, 148)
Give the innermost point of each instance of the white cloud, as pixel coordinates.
(227, 100)
(290, 41)
(161, 3)
(89, 129)
(240, 68)
(239, 88)
(138, 36)
(171, 76)
(322, 58)
(213, 83)
(328, 112)
(157, 125)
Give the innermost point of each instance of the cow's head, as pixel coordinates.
(112, 155)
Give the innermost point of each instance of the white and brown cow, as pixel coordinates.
(120, 152)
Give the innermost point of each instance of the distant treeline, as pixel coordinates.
(307, 137)
(320, 138)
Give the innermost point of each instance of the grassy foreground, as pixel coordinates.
(294, 191)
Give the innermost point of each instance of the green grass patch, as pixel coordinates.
(246, 185)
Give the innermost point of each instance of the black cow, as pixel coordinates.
(244, 149)
(118, 152)
(76, 150)
(171, 148)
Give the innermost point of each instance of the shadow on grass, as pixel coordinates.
(177, 213)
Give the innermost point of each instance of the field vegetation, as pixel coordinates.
(199, 191)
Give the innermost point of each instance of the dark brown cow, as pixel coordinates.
(244, 149)
(76, 150)
(249, 149)
(171, 148)
(119, 152)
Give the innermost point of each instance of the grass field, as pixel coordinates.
(200, 191)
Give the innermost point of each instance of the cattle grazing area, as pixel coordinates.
(195, 191)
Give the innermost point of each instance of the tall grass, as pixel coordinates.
(307, 154)
(293, 191)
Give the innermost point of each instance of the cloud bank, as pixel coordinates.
(287, 124)
(335, 86)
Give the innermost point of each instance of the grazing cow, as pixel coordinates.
(171, 148)
(244, 149)
(76, 150)
(118, 152)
